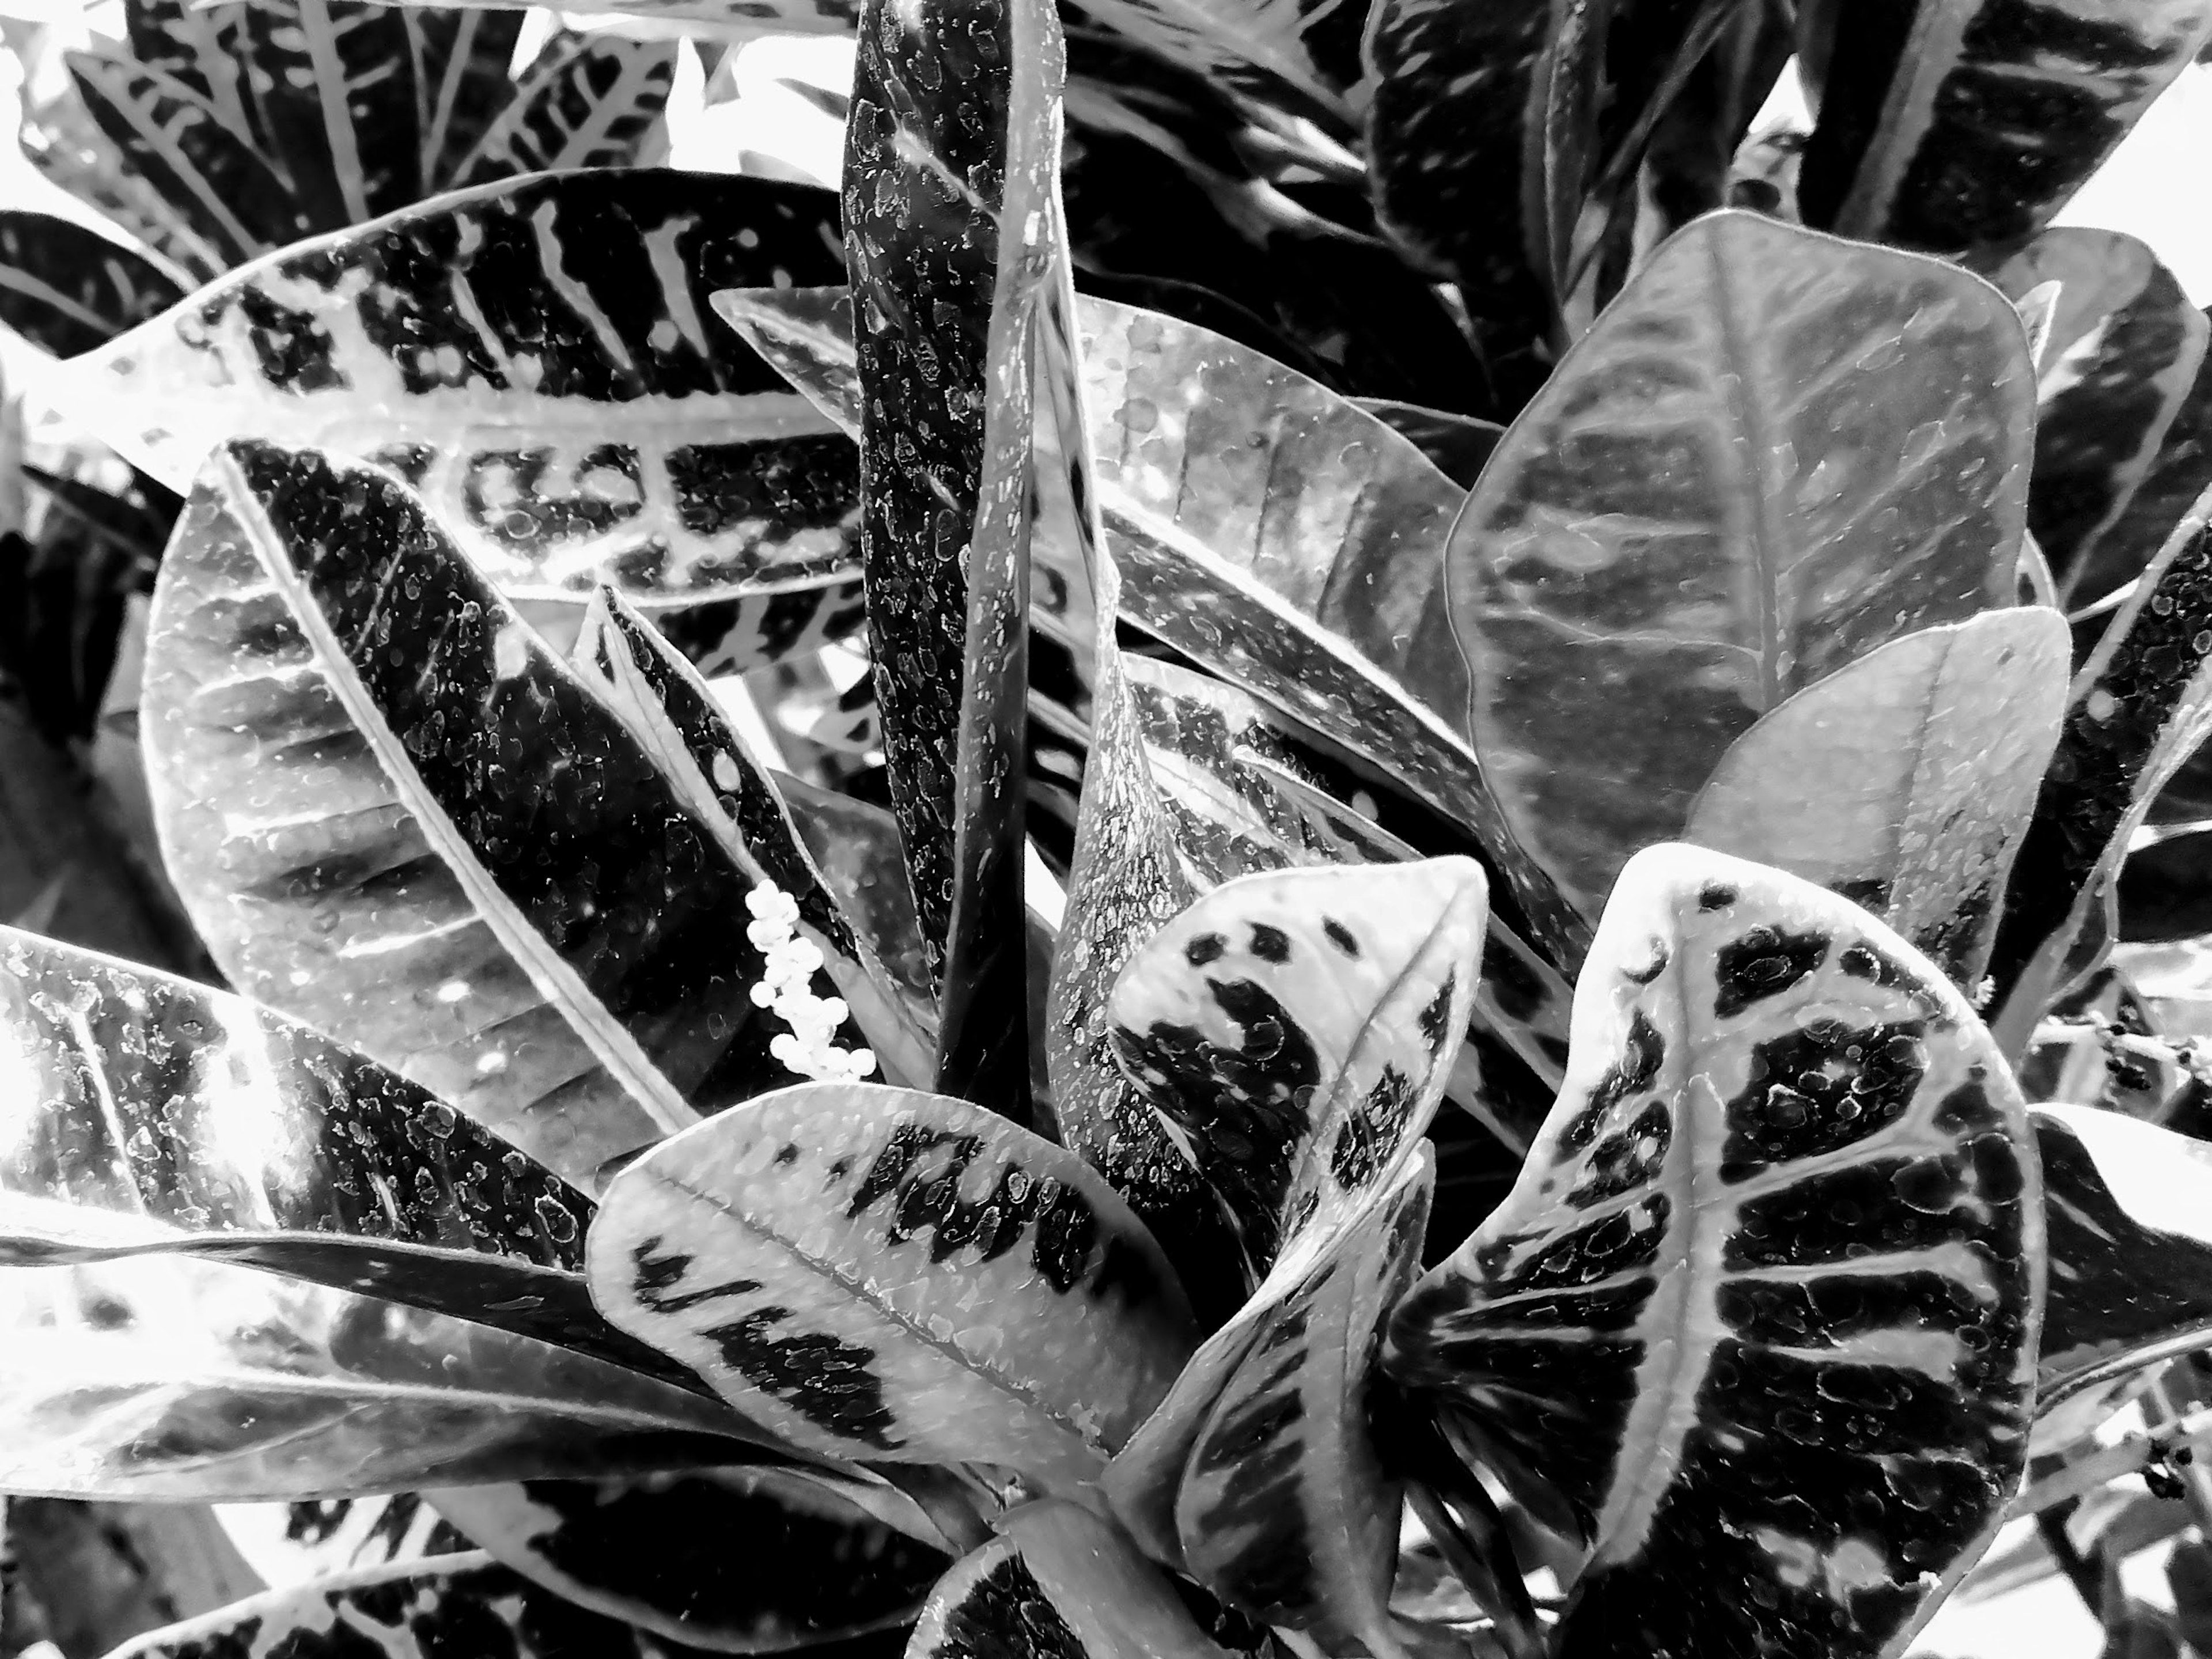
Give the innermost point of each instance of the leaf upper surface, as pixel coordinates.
(68, 289)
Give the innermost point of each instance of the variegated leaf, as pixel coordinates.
(293, 1544)
(740, 1560)
(1773, 453)
(591, 101)
(393, 809)
(1904, 781)
(731, 20)
(1763, 1307)
(533, 358)
(950, 156)
(147, 1114)
(167, 1379)
(67, 290)
(1278, 535)
(204, 47)
(463, 76)
(335, 82)
(2178, 472)
(1286, 1510)
(2125, 347)
(1299, 1026)
(1057, 1583)
(1948, 124)
(673, 715)
(820, 1254)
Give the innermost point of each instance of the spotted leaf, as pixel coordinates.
(1947, 124)
(814, 1566)
(820, 1254)
(1906, 780)
(1772, 453)
(67, 290)
(1057, 1583)
(1300, 1025)
(532, 358)
(393, 809)
(1762, 1309)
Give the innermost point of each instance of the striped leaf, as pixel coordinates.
(67, 290)
(1773, 453)
(1904, 781)
(462, 75)
(533, 358)
(1286, 1510)
(1277, 534)
(1763, 1307)
(1289, 53)
(335, 80)
(152, 1116)
(1057, 1583)
(2125, 347)
(950, 157)
(2180, 471)
(811, 1564)
(393, 809)
(203, 48)
(165, 1379)
(731, 20)
(821, 1254)
(1948, 124)
(591, 101)
(1299, 1026)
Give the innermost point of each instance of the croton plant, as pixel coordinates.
(1340, 837)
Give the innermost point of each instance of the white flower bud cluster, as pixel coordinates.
(810, 1048)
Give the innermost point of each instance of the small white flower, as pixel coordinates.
(809, 1048)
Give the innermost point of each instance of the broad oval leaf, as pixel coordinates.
(534, 358)
(66, 288)
(740, 1560)
(147, 1114)
(1058, 1582)
(1300, 1025)
(1772, 453)
(1763, 1307)
(1904, 781)
(825, 1255)
(168, 1379)
(395, 812)
(1955, 124)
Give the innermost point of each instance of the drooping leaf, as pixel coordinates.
(2125, 346)
(463, 58)
(740, 1560)
(335, 80)
(1286, 1510)
(1904, 781)
(589, 102)
(533, 358)
(67, 290)
(208, 176)
(393, 809)
(951, 153)
(1058, 1580)
(1273, 532)
(1299, 1026)
(1948, 124)
(820, 1255)
(1774, 453)
(1763, 1307)
(165, 1378)
(674, 715)
(152, 1116)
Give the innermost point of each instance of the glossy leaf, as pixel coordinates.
(1458, 445)
(1904, 781)
(165, 1378)
(532, 358)
(855, 846)
(2180, 471)
(149, 1114)
(734, 1561)
(1058, 1580)
(1275, 533)
(819, 1254)
(1773, 453)
(951, 153)
(67, 290)
(394, 810)
(592, 101)
(1299, 1026)
(1286, 1510)
(1763, 1307)
(463, 60)
(2125, 346)
(335, 81)
(1947, 124)
(291, 1544)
